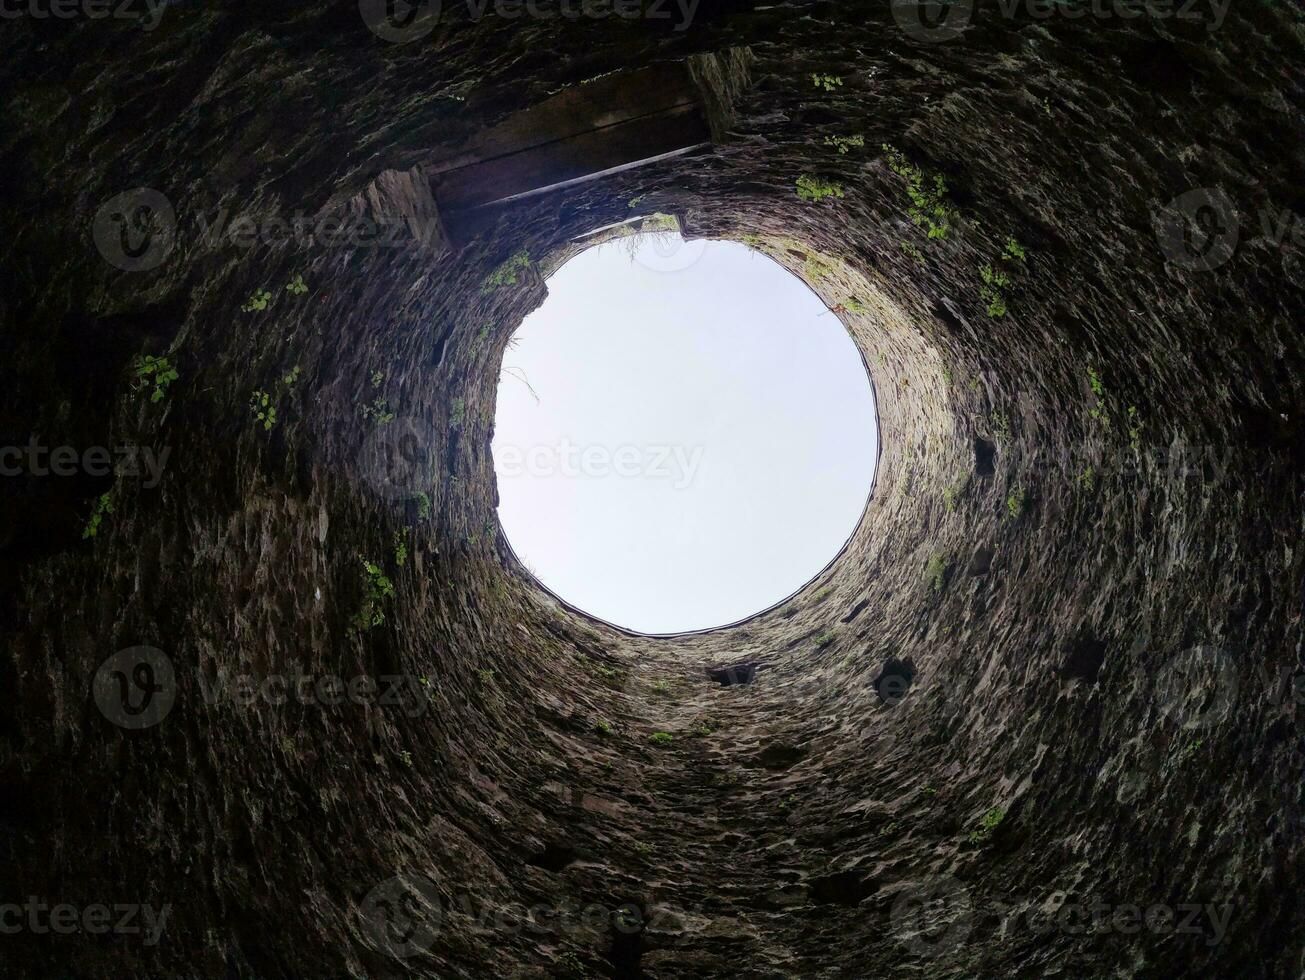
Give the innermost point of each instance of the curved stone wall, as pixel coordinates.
(1057, 665)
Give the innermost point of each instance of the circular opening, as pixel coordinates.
(684, 435)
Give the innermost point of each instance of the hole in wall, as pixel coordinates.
(684, 434)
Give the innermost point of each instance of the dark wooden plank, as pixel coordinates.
(603, 102)
(582, 156)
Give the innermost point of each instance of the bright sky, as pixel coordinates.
(704, 439)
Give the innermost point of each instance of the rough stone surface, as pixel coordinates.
(1049, 619)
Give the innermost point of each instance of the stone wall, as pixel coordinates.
(1096, 594)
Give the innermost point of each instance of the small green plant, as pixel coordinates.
(379, 410)
(854, 305)
(482, 337)
(816, 189)
(1134, 429)
(486, 675)
(825, 638)
(816, 268)
(459, 413)
(661, 738)
(844, 144)
(1086, 479)
(296, 286)
(704, 728)
(603, 726)
(992, 291)
(263, 403)
(377, 587)
(949, 499)
(156, 371)
(573, 968)
(661, 686)
(643, 847)
(264, 409)
(103, 505)
(929, 791)
(634, 201)
(1098, 387)
(406, 758)
(658, 223)
(821, 595)
(996, 281)
(1098, 411)
(400, 550)
(826, 82)
(913, 252)
(930, 208)
(935, 572)
(423, 505)
(987, 824)
(257, 302)
(1015, 501)
(1000, 423)
(508, 273)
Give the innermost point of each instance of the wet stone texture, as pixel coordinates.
(1057, 667)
